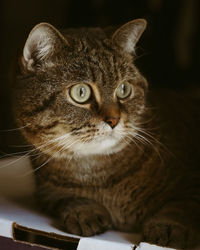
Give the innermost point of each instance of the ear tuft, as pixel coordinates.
(40, 45)
(129, 34)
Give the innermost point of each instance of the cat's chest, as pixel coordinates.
(124, 199)
(123, 191)
(89, 171)
(125, 202)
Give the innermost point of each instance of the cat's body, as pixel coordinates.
(112, 161)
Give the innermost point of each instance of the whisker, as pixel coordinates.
(154, 140)
(14, 129)
(49, 142)
(147, 141)
(18, 159)
(12, 154)
(36, 169)
(28, 152)
(68, 164)
(132, 138)
(123, 136)
(47, 161)
(21, 146)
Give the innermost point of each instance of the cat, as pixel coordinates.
(107, 152)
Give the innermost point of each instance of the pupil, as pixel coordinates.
(82, 92)
(123, 89)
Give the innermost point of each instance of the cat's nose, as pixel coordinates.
(111, 114)
(112, 121)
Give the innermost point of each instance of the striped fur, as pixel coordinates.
(135, 176)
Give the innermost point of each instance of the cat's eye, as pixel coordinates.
(80, 93)
(124, 90)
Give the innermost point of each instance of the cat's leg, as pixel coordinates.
(83, 217)
(176, 225)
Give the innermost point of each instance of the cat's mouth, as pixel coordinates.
(104, 140)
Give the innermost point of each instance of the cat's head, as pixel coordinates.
(79, 91)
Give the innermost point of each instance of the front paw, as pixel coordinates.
(169, 234)
(85, 219)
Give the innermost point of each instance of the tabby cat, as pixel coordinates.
(107, 154)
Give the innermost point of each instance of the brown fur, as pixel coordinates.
(149, 180)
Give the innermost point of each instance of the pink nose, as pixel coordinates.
(112, 121)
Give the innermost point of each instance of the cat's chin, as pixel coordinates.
(107, 141)
(100, 146)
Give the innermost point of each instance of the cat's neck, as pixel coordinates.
(97, 169)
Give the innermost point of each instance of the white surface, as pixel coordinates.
(115, 241)
(6, 228)
(109, 240)
(146, 246)
(97, 244)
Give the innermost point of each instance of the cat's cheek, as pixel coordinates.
(123, 119)
(136, 108)
(140, 110)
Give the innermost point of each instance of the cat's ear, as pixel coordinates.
(127, 36)
(40, 45)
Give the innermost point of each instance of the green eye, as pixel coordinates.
(123, 90)
(80, 93)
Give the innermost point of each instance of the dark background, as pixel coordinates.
(168, 53)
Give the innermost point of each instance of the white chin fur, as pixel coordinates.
(105, 144)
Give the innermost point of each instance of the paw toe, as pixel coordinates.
(163, 234)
